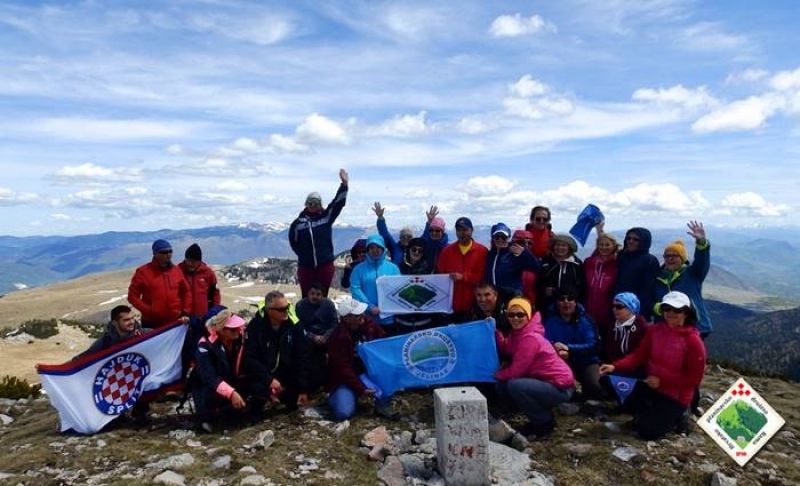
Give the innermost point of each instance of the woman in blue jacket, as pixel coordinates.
(363, 280)
(573, 335)
(506, 261)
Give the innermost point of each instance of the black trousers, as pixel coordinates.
(656, 414)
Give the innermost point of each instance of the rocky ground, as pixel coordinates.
(305, 448)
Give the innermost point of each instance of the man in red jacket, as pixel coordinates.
(159, 290)
(465, 261)
(202, 281)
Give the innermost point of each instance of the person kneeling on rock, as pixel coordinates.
(534, 378)
(344, 365)
(217, 382)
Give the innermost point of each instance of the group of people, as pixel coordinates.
(559, 320)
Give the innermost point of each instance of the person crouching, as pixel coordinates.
(217, 380)
(534, 379)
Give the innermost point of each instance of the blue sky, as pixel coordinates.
(146, 115)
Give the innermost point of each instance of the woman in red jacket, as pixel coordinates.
(674, 357)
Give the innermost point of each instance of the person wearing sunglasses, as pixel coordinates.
(506, 261)
(363, 281)
(415, 263)
(574, 338)
(159, 291)
(277, 356)
(358, 253)
(533, 378)
(600, 272)
(435, 236)
(677, 273)
(541, 230)
(674, 358)
(311, 237)
(396, 249)
(561, 269)
(628, 329)
(637, 269)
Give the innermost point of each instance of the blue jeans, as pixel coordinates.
(535, 398)
(343, 399)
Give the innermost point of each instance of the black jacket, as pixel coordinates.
(283, 353)
(310, 235)
(215, 366)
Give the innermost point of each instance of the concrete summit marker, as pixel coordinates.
(462, 435)
(741, 422)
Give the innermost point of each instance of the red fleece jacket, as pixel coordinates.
(471, 265)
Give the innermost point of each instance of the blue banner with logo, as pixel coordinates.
(623, 386)
(458, 353)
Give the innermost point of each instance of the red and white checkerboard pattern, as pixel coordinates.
(121, 382)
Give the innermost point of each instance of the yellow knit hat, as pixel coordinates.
(523, 303)
(679, 247)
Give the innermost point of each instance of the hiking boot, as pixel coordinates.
(207, 427)
(684, 425)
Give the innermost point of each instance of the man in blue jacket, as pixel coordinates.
(311, 238)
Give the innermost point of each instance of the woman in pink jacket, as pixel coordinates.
(534, 378)
(674, 357)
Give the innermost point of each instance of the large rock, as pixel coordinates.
(719, 479)
(500, 431)
(180, 461)
(377, 436)
(392, 472)
(170, 477)
(222, 462)
(507, 465)
(414, 466)
(263, 440)
(6, 419)
(627, 454)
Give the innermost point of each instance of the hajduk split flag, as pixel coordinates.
(459, 353)
(91, 391)
(410, 294)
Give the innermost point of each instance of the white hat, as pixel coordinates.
(347, 306)
(676, 300)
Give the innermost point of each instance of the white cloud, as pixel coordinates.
(750, 203)
(750, 75)
(175, 149)
(516, 25)
(250, 27)
(14, 198)
(677, 95)
(319, 129)
(529, 99)
(403, 126)
(282, 143)
(472, 125)
(747, 114)
(711, 36)
(786, 80)
(94, 129)
(233, 186)
(60, 217)
(246, 144)
(488, 186)
(92, 172)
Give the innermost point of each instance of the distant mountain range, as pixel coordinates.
(761, 263)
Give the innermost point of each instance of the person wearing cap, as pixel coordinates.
(534, 378)
(574, 338)
(415, 263)
(397, 249)
(674, 359)
(465, 262)
(541, 230)
(600, 273)
(159, 291)
(311, 237)
(202, 281)
(358, 253)
(435, 235)
(344, 365)
(363, 283)
(218, 381)
(506, 261)
(637, 269)
(561, 269)
(277, 356)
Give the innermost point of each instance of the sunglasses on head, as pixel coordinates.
(516, 315)
(567, 298)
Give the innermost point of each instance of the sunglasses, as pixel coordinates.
(566, 298)
(671, 255)
(669, 308)
(416, 250)
(541, 220)
(280, 309)
(516, 315)
(499, 236)
(434, 230)
(619, 306)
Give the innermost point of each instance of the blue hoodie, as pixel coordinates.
(579, 336)
(363, 280)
